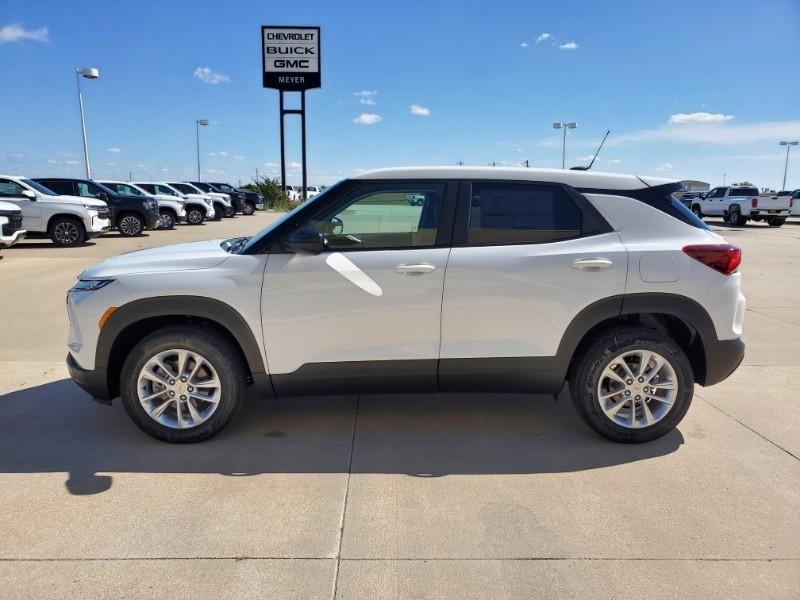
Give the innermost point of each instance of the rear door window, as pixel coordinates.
(521, 213)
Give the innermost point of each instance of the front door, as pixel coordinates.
(364, 314)
(11, 191)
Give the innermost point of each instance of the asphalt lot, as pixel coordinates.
(426, 496)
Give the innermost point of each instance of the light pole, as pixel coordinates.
(88, 73)
(786, 167)
(197, 123)
(564, 126)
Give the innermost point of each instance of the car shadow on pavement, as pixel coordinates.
(56, 428)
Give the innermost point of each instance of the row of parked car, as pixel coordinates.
(70, 211)
(739, 203)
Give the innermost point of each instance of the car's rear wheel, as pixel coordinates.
(167, 220)
(195, 216)
(632, 385)
(67, 231)
(736, 218)
(182, 384)
(775, 221)
(248, 208)
(130, 224)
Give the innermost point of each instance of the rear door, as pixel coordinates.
(526, 259)
(365, 313)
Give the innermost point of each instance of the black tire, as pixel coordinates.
(697, 211)
(725, 217)
(736, 218)
(775, 221)
(230, 212)
(195, 215)
(66, 231)
(248, 208)
(607, 347)
(130, 224)
(216, 349)
(167, 219)
(219, 211)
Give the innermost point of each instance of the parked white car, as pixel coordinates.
(222, 202)
(66, 220)
(737, 204)
(11, 230)
(795, 211)
(501, 279)
(294, 193)
(312, 190)
(199, 207)
(171, 208)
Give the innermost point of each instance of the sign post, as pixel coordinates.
(290, 57)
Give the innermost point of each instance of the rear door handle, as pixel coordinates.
(415, 269)
(592, 264)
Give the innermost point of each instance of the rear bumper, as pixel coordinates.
(769, 213)
(722, 358)
(93, 381)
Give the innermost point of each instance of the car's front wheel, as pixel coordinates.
(195, 216)
(632, 385)
(167, 220)
(182, 384)
(130, 225)
(67, 231)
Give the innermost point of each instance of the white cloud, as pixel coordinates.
(114, 150)
(524, 45)
(543, 37)
(207, 75)
(367, 119)
(719, 132)
(212, 154)
(294, 165)
(223, 153)
(587, 157)
(366, 97)
(52, 162)
(72, 162)
(421, 111)
(665, 167)
(568, 46)
(16, 33)
(238, 157)
(614, 161)
(699, 117)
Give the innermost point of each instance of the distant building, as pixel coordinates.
(696, 186)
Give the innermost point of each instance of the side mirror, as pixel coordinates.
(29, 194)
(102, 196)
(303, 240)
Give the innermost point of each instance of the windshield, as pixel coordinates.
(254, 241)
(203, 186)
(122, 188)
(184, 188)
(38, 187)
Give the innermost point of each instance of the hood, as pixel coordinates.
(93, 202)
(177, 257)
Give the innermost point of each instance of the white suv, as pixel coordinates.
(66, 220)
(198, 206)
(501, 279)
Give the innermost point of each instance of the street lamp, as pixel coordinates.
(88, 73)
(564, 126)
(786, 167)
(198, 123)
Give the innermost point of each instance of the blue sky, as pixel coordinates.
(689, 89)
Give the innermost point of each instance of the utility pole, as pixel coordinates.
(527, 165)
(564, 126)
(788, 145)
(460, 163)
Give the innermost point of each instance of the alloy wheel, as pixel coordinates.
(130, 225)
(179, 388)
(637, 389)
(194, 217)
(67, 233)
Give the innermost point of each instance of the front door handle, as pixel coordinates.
(415, 269)
(592, 264)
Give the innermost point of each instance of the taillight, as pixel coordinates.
(754, 202)
(724, 258)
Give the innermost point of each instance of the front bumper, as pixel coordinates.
(93, 381)
(152, 219)
(98, 227)
(723, 357)
(13, 238)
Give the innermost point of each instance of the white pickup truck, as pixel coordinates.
(737, 204)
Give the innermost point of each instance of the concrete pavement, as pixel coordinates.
(412, 496)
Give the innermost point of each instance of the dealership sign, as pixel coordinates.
(291, 58)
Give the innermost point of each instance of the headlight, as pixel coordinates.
(181, 202)
(90, 207)
(90, 285)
